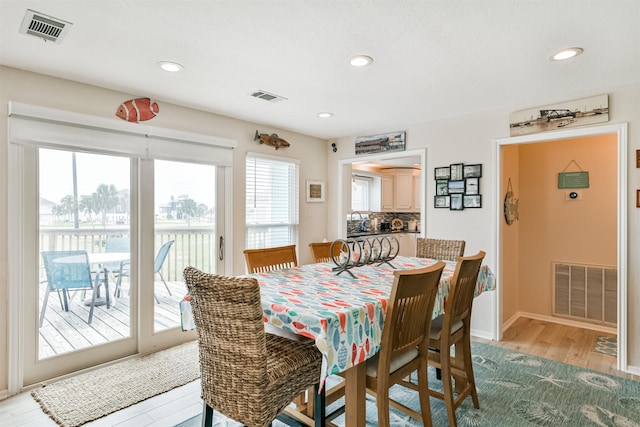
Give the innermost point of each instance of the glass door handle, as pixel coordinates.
(221, 249)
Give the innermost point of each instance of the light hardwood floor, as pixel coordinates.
(544, 339)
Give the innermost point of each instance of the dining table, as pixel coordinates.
(344, 315)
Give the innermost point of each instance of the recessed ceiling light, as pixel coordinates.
(324, 115)
(361, 60)
(567, 53)
(172, 67)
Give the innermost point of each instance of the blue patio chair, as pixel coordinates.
(160, 257)
(70, 271)
(118, 269)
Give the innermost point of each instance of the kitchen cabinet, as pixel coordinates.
(416, 193)
(403, 200)
(386, 195)
(407, 243)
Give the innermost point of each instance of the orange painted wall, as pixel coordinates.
(552, 228)
(510, 257)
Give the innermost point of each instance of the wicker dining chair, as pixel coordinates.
(454, 328)
(441, 249)
(246, 374)
(404, 341)
(321, 251)
(270, 259)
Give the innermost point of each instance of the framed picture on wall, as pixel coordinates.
(456, 202)
(472, 186)
(441, 201)
(474, 201)
(456, 172)
(472, 171)
(442, 187)
(315, 191)
(456, 187)
(442, 173)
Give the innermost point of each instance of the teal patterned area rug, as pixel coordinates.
(518, 390)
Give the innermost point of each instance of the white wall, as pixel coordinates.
(469, 139)
(40, 90)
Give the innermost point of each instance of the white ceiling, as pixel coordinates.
(432, 59)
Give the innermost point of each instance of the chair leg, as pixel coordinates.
(207, 415)
(319, 415)
(447, 386)
(44, 305)
(468, 367)
(165, 283)
(423, 391)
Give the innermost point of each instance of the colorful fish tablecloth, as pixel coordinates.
(344, 315)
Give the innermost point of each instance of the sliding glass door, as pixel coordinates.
(185, 232)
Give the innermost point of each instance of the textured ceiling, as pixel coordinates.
(432, 59)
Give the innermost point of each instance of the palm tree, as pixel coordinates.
(88, 206)
(106, 198)
(188, 208)
(68, 204)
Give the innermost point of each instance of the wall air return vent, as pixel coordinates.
(45, 27)
(268, 96)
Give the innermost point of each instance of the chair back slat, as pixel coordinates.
(408, 318)
(321, 251)
(270, 259)
(460, 301)
(442, 249)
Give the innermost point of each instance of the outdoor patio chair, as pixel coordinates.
(159, 261)
(70, 271)
(118, 269)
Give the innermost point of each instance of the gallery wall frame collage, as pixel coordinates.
(458, 186)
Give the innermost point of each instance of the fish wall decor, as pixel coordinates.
(273, 140)
(138, 110)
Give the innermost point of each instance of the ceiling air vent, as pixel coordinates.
(44, 26)
(268, 96)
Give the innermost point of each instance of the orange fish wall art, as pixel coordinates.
(138, 110)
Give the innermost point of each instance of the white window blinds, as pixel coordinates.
(272, 201)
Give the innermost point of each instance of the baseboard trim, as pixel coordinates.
(4, 394)
(561, 321)
(481, 334)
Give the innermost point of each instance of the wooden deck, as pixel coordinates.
(62, 332)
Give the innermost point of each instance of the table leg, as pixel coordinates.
(355, 395)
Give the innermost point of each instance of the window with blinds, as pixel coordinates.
(272, 202)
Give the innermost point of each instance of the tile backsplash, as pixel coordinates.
(354, 225)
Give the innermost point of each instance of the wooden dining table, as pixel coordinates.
(344, 315)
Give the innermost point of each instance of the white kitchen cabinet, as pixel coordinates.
(386, 195)
(416, 193)
(404, 191)
(407, 243)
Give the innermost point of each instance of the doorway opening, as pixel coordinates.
(509, 237)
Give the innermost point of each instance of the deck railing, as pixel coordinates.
(193, 246)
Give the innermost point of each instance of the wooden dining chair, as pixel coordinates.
(270, 259)
(405, 337)
(454, 328)
(441, 249)
(321, 251)
(246, 374)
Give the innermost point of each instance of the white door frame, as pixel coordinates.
(620, 129)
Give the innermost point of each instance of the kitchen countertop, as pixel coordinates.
(378, 233)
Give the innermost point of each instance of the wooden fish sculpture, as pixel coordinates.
(138, 110)
(273, 140)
